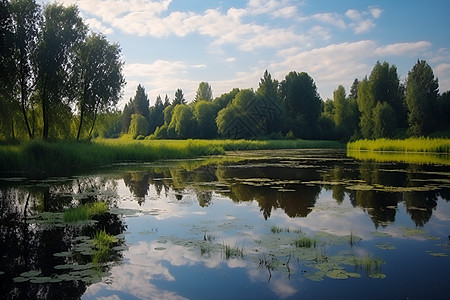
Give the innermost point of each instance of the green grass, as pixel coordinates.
(102, 242)
(305, 242)
(428, 145)
(38, 158)
(85, 212)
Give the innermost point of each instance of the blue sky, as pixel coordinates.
(171, 44)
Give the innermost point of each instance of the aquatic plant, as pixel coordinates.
(437, 145)
(305, 242)
(233, 251)
(85, 212)
(102, 242)
(353, 239)
(371, 266)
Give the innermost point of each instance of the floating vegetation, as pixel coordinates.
(437, 254)
(276, 229)
(407, 231)
(381, 234)
(385, 246)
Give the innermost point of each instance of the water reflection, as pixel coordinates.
(27, 245)
(293, 182)
(301, 191)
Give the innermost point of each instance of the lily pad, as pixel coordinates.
(381, 234)
(40, 279)
(32, 273)
(318, 276)
(337, 274)
(20, 279)
(438, 254)
(377, 276)
(62, 254)
(385, 246)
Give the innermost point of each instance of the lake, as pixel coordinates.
(284, 224)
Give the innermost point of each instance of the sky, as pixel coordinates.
(171, 44)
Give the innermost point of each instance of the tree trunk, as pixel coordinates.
(81, 122)
(23, 95)
(44, 111)
(93, 124)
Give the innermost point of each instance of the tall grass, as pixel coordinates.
(436, 145)
(40, 158)
(85, 212)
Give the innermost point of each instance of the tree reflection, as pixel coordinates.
(26, 246)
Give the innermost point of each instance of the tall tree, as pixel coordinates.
(366, 104)
(301, 100)
(141, 103)
(61, 32)
(268, 87)
(26, 16)
(204, 92)
(422, 91)
(179, 98)
(166, 101)
(183, 121)
(205, 113)
(354, 89)
(6, 67)
(97, 78)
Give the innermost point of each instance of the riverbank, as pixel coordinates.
(38, 158)
(427, 145)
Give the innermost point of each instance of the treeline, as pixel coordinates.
(56, 77)
(376, 106)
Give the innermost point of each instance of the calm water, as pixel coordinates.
(297, 224)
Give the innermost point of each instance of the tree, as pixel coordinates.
(205, 113)
(179, 98)
(26, 16)
(302, 102)
(138, 125)
(204, 92)
(61, 32)
(421, 97)
(384, 120)
(366, 104)
(183, 122)
(141, 103)
(354, 89)
(156, 114)
(6, 67)
(268, 87)
(125, 119)
(166, 101)
(97, 78)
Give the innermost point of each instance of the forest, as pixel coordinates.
(59, 81)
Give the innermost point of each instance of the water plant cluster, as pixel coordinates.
(434, 145)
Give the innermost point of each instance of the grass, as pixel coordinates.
(85, 212)
(420, 158)
(233, 251)
(305, 242)
(40, 159)
(353, 239)
(102, 242)
(428, 145)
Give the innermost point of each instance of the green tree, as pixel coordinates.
(302, 102)
(204, 92)
(166, 101)
(354, 89)
(125, 119)
(366, 104)
(183, 121)
(26, 17)
(97, 78)
(421, 97)
(61, 32)
(156, 114)
(179, 98)
(205, 113)
(384, 120)
(6, 68)
(141, 103)
(138, 125)
(226, 98)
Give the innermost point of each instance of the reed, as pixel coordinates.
(85, 212)
(429, 145)
(40, 159)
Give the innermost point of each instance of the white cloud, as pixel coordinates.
(363, 21)
(375, 11)
(97, 26)
(403, 48)
(331, 18)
